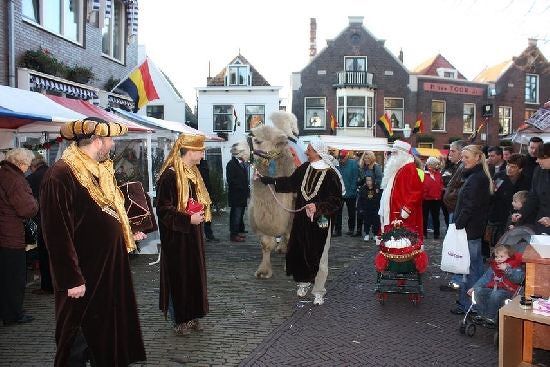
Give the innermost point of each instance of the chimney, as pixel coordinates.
(355, 20)
(401, 55)
(312, 37)
(531, 42)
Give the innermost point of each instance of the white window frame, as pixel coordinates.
(441, 72)
(502, 119)
(247, 79)
(444, 115)
(122, 40)
(40, 23)
(343, 111)
(246, 114)
(323, 117)
(527, 77)
(473, 119)
(356, 57)
(230, 114)
(391, 110)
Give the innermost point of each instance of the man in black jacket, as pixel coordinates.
(238, 192)
(535, 143)
(38, 168)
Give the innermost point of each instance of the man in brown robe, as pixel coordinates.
(88, 237)
(319, 190)
(183, 270)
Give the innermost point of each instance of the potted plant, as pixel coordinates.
(80, 74)
(43, 61)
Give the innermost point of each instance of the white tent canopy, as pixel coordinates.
(175, 126)
(350, 142)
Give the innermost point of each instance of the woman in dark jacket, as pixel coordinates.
(16, 205)
(471, 214)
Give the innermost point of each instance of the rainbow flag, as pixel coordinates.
(418, 125)
(385, 124)
(139, 86)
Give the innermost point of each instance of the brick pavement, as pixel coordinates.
(261, 322)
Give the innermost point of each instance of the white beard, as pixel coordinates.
(397, 161)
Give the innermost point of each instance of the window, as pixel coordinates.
(504, 120)
(255, 116)
(223, 118)
(394, 108)
(113, 32)
(469, 118)
(438, 115)
(356, 111)
(238, 75)
(528, 113)
(155, 111)
(355, 63)
(531, 88)
(446, 73)
(63, 17)
(315, 116)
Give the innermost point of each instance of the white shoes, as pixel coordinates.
(318, 300)
(366, 238)
(303, 288)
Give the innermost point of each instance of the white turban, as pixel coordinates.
(321, 148)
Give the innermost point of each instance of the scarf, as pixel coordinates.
(98, 178)
(184, 174)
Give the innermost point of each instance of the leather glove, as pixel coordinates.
(266, 180)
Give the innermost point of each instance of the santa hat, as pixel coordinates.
(402, 145)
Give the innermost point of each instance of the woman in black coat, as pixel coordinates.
(471, 214)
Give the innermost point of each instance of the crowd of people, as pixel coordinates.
(84, 234)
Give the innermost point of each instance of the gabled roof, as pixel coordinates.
(493, 73)
(219, 79)
(430, 66)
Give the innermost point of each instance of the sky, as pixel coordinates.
(184, 37)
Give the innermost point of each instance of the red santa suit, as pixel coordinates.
(402, 197)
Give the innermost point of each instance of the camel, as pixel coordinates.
(272, 156)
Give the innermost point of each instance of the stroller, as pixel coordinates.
(399, 265)
(518, 238)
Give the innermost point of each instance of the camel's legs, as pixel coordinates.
(264, 270)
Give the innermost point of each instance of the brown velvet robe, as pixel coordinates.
(182, 261)
(86, 246)
(307, 239)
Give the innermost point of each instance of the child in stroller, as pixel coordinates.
(500, 282)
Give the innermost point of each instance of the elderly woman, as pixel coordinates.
(431, 198)
(16, 204)
(470, 214)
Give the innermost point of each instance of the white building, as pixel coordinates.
(233, 100)
(170, 105)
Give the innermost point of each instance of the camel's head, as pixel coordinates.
(267, 143)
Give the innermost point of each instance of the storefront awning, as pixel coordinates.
(25, 111)
(90, 110)
(428, 152)
(175, 126)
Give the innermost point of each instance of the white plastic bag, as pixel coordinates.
(455, 256)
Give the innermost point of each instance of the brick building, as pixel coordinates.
(85, 33)
(355, 79)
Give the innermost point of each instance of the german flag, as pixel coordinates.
(418, 125)
(385, 124)
(139, 86)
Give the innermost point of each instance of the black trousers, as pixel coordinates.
(44, 261)
(13, 274)
(350, 204)
(371, 220)
(236, 220)
(431, 207)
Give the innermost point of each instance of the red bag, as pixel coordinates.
(193, 206)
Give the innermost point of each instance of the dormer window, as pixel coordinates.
(447, 73)
(238, 75)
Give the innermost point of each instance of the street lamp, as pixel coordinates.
(407, 131)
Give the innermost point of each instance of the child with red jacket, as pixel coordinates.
(431, 199)
(501, 281)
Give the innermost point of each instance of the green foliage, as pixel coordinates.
(43, 61)
(218, 192)
(111, 83)
(79, 74)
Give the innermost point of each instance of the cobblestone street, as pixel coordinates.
(262, 322)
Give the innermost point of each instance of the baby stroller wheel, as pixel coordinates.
(461, 327)
(470, 329)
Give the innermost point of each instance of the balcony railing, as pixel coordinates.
(355, 78)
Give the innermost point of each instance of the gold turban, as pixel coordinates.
(84, 129)
(184, 173)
